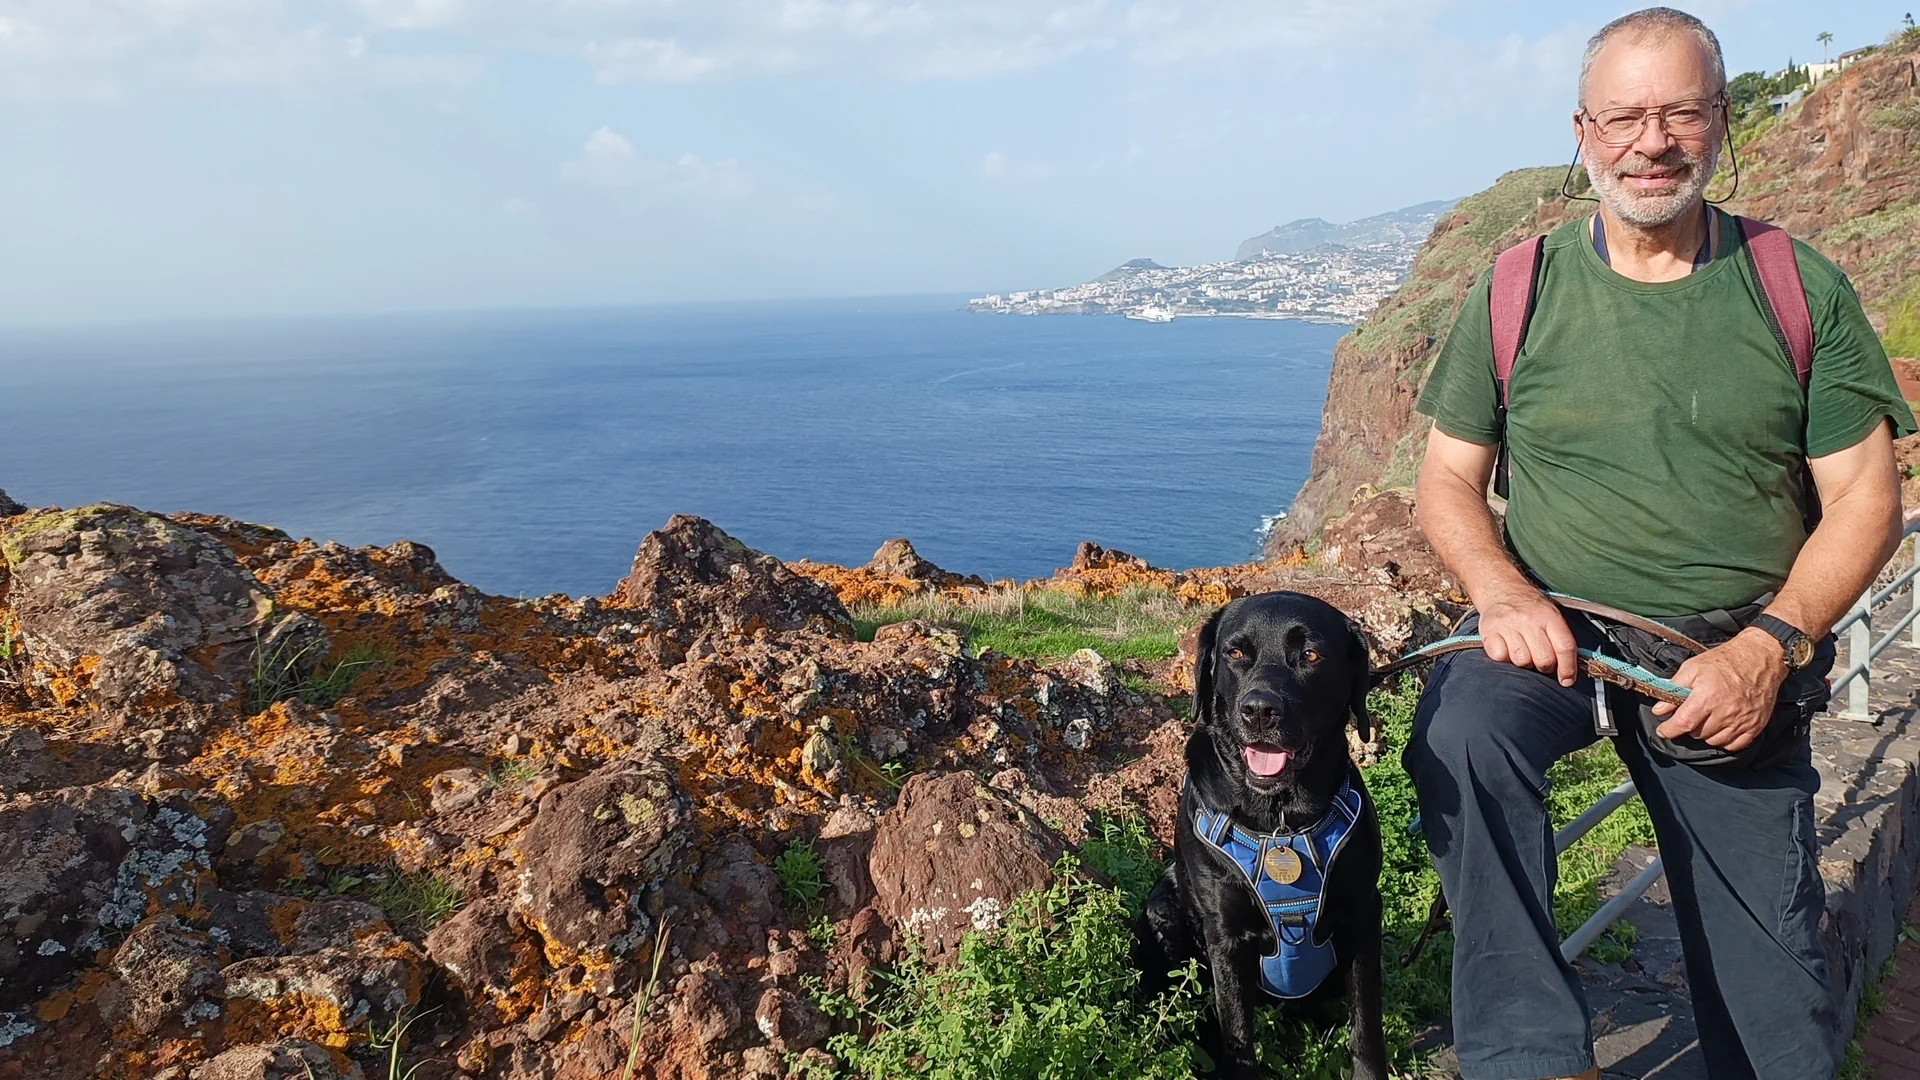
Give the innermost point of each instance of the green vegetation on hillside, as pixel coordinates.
(1050, 993)
(1448, 263)
(1140, 622)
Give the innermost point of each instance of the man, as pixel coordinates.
(1657, 442)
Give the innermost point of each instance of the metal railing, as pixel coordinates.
(1862, 650)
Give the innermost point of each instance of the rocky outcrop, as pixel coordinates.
(692, 578)
(125, 608)
(485, 816)
(895, 573)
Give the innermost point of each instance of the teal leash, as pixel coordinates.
(1607, 669)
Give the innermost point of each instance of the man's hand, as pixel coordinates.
(1734, 685)
(1523, 628)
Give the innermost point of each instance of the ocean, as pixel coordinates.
(532, 450)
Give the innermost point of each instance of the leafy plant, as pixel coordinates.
(820, 932)
(1050, 994)
(801, 871)
(424, 898)
(1123, 848)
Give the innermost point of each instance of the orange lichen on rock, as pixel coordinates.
(295, 1016)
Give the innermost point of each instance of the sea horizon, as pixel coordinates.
(533, 448)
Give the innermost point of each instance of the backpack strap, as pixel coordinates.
(1516, 273)
(1783, 298)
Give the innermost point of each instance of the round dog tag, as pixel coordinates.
(1282, 864)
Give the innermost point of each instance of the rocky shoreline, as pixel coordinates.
(265, 800)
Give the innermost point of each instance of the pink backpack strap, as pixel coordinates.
(1510, 303)
(1782, 295)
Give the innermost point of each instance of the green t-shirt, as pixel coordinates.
(1655, 430)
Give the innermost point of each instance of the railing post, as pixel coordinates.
(1860, 654)
(1913, 597)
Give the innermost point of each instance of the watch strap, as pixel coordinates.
(1788, 635)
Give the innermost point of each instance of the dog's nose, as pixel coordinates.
(1261, 706)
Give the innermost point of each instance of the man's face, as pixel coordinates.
(1659, 177)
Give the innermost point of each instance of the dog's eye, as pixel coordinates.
(1312, 656)
(1236, 654)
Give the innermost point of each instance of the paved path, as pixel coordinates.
(1891, 1044)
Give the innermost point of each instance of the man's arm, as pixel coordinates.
(1734, 684)
(1518, 624)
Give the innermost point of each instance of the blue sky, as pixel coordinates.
(215, 158)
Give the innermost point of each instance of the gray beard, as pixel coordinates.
(1651, 211)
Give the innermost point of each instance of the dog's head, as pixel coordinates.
(1275, 678)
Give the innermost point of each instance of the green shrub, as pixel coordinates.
(1049, 994)
(1121, 847)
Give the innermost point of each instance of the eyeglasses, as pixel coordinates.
(1622, 127)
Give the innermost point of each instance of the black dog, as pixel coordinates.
(1270, 798)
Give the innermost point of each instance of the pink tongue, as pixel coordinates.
(1264, 761)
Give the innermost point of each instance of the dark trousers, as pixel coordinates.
(1741, 863)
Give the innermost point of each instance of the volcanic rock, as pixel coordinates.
(692, 578)
(26, 764)
(163, 971)
(478, 948)
(789, 1022)
(1379, 534)
(1091, 556)
(288, 1059)
(595, 847)
(897, 558)
(57, 870)
(741, 886)
(121, 607)
(952, 857)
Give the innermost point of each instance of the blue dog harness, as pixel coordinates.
(1298, 966)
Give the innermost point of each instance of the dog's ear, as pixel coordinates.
(1362, 682)
(1203, 669)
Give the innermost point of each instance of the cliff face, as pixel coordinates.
(1841, 171)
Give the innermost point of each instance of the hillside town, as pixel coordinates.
(1326, 284)
(1329, 283)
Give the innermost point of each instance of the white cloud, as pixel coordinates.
(997, 165)
(412, 14)
(107, 48)
(609, 162)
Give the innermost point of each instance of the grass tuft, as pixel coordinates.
(643, 1000)
(421, 898)
(278, 675)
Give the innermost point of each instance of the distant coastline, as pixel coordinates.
(1308, 271)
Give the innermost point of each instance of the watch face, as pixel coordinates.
(1800, 652)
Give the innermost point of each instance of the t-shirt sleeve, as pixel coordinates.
(1460, 393)
(1852, 386)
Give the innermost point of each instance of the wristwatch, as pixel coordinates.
(1796, 647)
